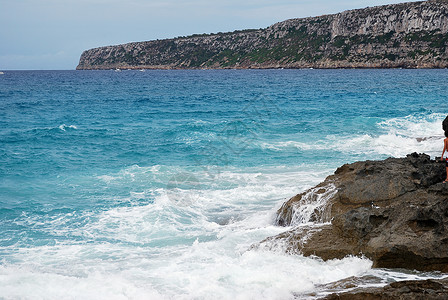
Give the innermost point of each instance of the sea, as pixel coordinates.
(155, 184)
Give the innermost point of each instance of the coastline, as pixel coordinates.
(271, 67)
(391, 211)
(405, 35)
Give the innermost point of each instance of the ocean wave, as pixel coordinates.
(393, 137)
(179, 246)
(146, 206)
(31, 282)
(279, 146)
(64, 127)
(313, 206)
(45, 130)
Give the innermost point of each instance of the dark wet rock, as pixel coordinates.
(430, 289)
(395, 212)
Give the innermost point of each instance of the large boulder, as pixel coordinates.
(394, 212)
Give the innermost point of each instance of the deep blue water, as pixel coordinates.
(139, 161)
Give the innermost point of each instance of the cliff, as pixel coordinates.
(408, 35)
(394, 212)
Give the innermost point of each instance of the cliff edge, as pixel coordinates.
(408, 35)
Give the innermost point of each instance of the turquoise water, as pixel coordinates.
(153, 185)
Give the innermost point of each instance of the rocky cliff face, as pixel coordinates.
(394, 212)
(409, 35)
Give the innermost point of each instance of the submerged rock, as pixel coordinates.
(394, 212)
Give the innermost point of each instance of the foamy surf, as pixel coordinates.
(156, 184)
(170, 250)
(165, 250)
(64, 127)
(394, 137)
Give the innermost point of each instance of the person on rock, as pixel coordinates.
(445, 148)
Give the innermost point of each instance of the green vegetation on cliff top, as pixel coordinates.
(371, 37)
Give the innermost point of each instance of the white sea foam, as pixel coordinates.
(173, 251)
(184, 233)
(312, 207)
(411, 134)
(47, 284)
(63, 127)
(106, 178)
(195, 269)
(397, 137)
(293, 144)
(166, 250)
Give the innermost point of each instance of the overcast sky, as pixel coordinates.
(51, 34)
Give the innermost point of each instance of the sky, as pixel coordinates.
(52, 34)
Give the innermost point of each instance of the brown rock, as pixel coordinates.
(403, 290)
(394, 212)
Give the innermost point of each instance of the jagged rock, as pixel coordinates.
(431, 289)
(408, 35)
(394, 212)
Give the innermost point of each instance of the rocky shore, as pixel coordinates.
(406, 35)
(394, 212)
(403, 290)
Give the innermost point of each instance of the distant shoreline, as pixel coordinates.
(5, 71)
(266, 68)
(409, 35)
